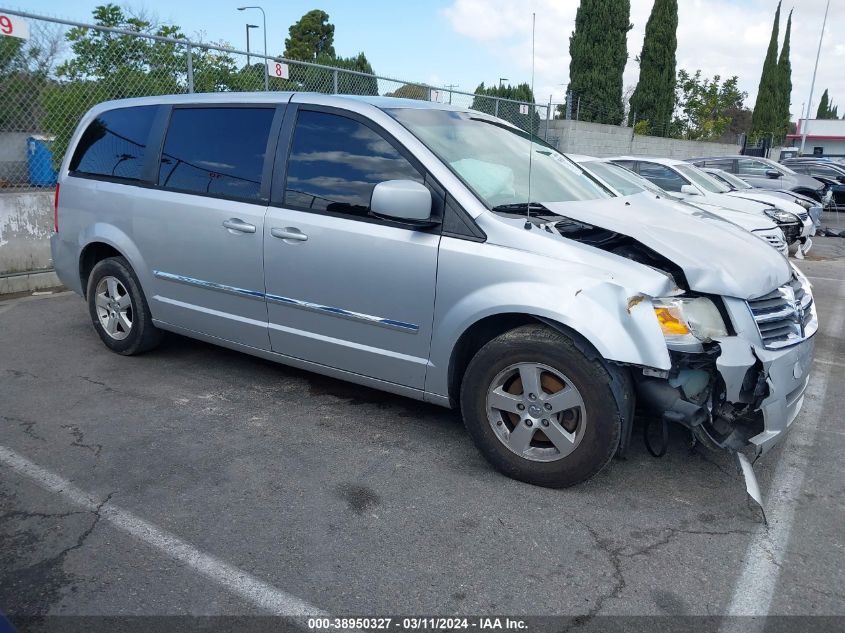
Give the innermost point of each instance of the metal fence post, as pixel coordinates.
(496, 108)
(548, 119)
(190, 68)
(334, 80)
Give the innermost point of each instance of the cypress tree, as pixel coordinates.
(785, 82)
(824, 106)
(764, 121)
(654, 97)
(598, 50)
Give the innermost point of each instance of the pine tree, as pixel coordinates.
(311, 36)
(784, 83)
(598, 51)
(826, 108)
(653, 100)
(764, 121)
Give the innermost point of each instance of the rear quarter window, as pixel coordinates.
(114, 145)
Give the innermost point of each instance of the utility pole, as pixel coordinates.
(248, 27)
(264, 18)
(813, 82)
(450, 87)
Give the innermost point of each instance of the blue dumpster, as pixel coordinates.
(40, 161)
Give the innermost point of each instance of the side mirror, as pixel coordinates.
(690, 190)
(772, 173)
(403, 201)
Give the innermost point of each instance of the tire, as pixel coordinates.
(593, 426)
(116, 303)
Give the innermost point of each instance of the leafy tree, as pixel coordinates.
(310, 37)
(598, 51)
(348, 83)
(653, 100)
(485, 101)
(827, 110)
(411, 91)
(705, 106)
(784, 77)
(765, 120)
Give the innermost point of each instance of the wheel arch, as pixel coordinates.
(486, 329)
(102, 240)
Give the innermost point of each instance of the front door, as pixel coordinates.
(344, 289)
(201, 230)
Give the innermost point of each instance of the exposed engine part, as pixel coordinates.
(602, 239)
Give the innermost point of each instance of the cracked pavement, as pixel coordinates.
(366, 503)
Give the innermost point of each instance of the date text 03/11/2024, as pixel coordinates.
(417, 623)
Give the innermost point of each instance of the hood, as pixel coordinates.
(734, 203)
(715, 256)
(771, 200)
(802, 180)
(748, 221)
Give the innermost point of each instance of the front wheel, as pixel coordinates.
(539, 409)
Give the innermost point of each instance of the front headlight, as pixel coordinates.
(689, 320)
(779, 215)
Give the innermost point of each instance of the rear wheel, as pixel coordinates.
(539, 409)
(119, 310)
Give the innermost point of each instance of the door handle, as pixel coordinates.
(289, 233)
(236, 224)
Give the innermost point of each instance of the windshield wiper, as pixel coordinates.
(521, 207)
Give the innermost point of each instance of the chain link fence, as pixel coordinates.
(50, 80)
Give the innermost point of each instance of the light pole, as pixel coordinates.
(813, 82)
(248, 27)
(501, 79)
(264, 18)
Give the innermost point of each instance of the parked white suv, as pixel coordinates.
(393, 243)
(689, 182)
(625, 183)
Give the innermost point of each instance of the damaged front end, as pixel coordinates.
(746, 387)
(742, 389)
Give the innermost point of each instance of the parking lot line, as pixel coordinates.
(764, 556)
(237, 581)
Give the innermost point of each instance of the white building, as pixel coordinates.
(825, 137)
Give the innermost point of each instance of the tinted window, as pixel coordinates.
(115, 143)
(335, 162)
(748, 167)
(720, 163)
(216, 150)
(824, 171)
(662, 176)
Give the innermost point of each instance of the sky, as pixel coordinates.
(465, 42)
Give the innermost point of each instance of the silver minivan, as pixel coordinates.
(434, 252)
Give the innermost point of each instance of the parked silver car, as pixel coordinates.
(765, 173)
(394, 243)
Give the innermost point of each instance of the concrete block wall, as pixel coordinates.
(26, 224)
(596, 139)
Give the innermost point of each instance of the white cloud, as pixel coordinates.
(724, 37)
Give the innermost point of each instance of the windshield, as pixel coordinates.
(492, 158)
(701, 179)
(622, 180)
(778, 167)
(730, 179)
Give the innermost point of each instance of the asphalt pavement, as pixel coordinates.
(197, 480)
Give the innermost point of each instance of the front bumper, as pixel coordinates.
(786, 372)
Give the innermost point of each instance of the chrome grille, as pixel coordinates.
(786, 315)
